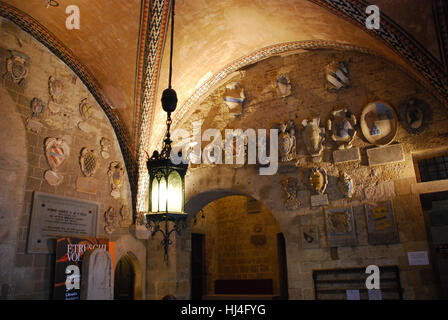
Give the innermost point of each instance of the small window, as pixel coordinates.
(430, 169)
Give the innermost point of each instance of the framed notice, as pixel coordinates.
(381, 223)
(68, 269)
(340, 227)
(54, 217)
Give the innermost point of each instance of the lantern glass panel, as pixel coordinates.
(174, 192)
(155, 196)
(163, 193)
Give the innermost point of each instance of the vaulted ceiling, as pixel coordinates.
(209, 36)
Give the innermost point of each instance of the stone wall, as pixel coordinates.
(31, 276)
(372, 78)
(238, 244)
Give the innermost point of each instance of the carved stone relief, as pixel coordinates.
(313, 136)
(341, 126)
(116, 174)
(17, 67)
(56, 152)
(287, 141)
(289, 187)
(88, 162)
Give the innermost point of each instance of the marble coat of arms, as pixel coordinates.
(234, 97)
(283, 86)
(317, 180)
(125, 216)
(37, 108)
(345, 184)
(86, 110)
(289, 187)
(56, 91)
(287, 141)
(415, 116)
(339, 221)
(17, 68)
(342, 128)
(111, 220)
(56, 152)
(313, 136)
(116, 174)
(105, 144)
(337, 75)
(88, 162)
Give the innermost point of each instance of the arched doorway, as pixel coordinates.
(124, 281)
(237, 250)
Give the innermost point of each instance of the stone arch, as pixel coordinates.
(130, 258)
(205, 184)
(137, 259)
(13, 169)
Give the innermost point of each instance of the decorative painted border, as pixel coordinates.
(49, 40)
(440, 11)
(154, 43)
(144, 35)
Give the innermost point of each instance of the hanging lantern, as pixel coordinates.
(166, 179)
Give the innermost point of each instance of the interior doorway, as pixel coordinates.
(237, 251)
(124, 279)
(435, 207)
(197, 266)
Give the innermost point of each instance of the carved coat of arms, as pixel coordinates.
(37, 108)
(111, 220)
(17, 67)
(317, 179)
(88, 162)
(116, 173)
(56, 152)
(283, 86)
(345, 184)
(86, 110)
(339, 222)
(56, 90)
(313, 136)
(337, 75)
(341, 126)
(287, 141)
(289, 187)
(415, 116)
(125, 216)
(105, 148)
(234, 97)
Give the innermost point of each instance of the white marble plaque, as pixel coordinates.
(319, 200)
(353, 295)
(55, 216)
(418, 258)
(346, 155)
(386, 154)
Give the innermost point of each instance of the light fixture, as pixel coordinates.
(166, 179)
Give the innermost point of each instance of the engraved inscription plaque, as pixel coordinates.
(55, 216)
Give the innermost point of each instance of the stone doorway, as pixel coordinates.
(124, 279)
(238, 251)
(435, 208)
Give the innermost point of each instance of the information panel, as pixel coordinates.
(56, 216)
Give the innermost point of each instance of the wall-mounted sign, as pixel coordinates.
(418, 258)
(55, 216)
